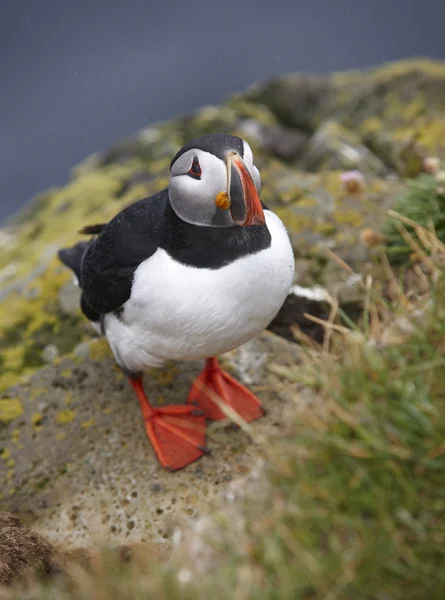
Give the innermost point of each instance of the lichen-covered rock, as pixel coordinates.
(76, 463)
(396, 110)
(334, 147)
(74, 459)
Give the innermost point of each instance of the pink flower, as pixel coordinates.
(353, 182)
(431, 164)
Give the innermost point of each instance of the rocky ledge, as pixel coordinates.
(334, 154)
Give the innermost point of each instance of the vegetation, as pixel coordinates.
(423, 203)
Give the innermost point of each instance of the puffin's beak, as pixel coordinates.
(245, 204)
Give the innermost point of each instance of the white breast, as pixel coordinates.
(185, 313)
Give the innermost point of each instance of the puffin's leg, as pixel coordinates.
(228, 389)
(177, 433)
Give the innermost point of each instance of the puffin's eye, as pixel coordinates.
(195, 169)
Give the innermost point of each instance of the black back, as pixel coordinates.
(128, 239)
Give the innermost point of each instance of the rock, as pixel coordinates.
(50, 353)
(76, 462)
(286, 144)
(69, 298)
(296, 100)
(396, 110)
(333, 147)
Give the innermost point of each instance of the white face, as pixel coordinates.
(196, 179)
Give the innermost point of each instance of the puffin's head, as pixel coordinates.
(214, 182)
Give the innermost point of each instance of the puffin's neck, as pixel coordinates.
(210, 247)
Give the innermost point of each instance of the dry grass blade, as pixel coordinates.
(340, 262)
(327, 324)
(419, 252)
(330, 321)
(432, 235)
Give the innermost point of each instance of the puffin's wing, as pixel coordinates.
(110, 262)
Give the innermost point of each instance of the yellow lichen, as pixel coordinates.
(38, 392)
(99, 349)
(349, 216)
(65, 416)
(66, 373)
(370, 126)
(5, 454)
(431, 135)
(7, 380)
(15, 436)
(414, 109)
(251, 110)
(163, 376)
(294, 222)
(307, 202)
(325, 228)
(10, 409)
(36, 418)
(60, 436)
(87, 424)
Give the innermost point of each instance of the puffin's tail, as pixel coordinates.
(72, 257)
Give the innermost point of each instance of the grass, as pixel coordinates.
(351, 504)
(423, 203)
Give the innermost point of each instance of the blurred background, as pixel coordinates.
(75, 76)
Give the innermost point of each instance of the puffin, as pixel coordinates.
(190, 273)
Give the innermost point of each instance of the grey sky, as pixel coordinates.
(77, 75)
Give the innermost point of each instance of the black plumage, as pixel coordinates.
(106, 266)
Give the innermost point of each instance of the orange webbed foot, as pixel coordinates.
(228, 390)
(177, 433)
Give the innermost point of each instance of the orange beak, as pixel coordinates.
(245, 204)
